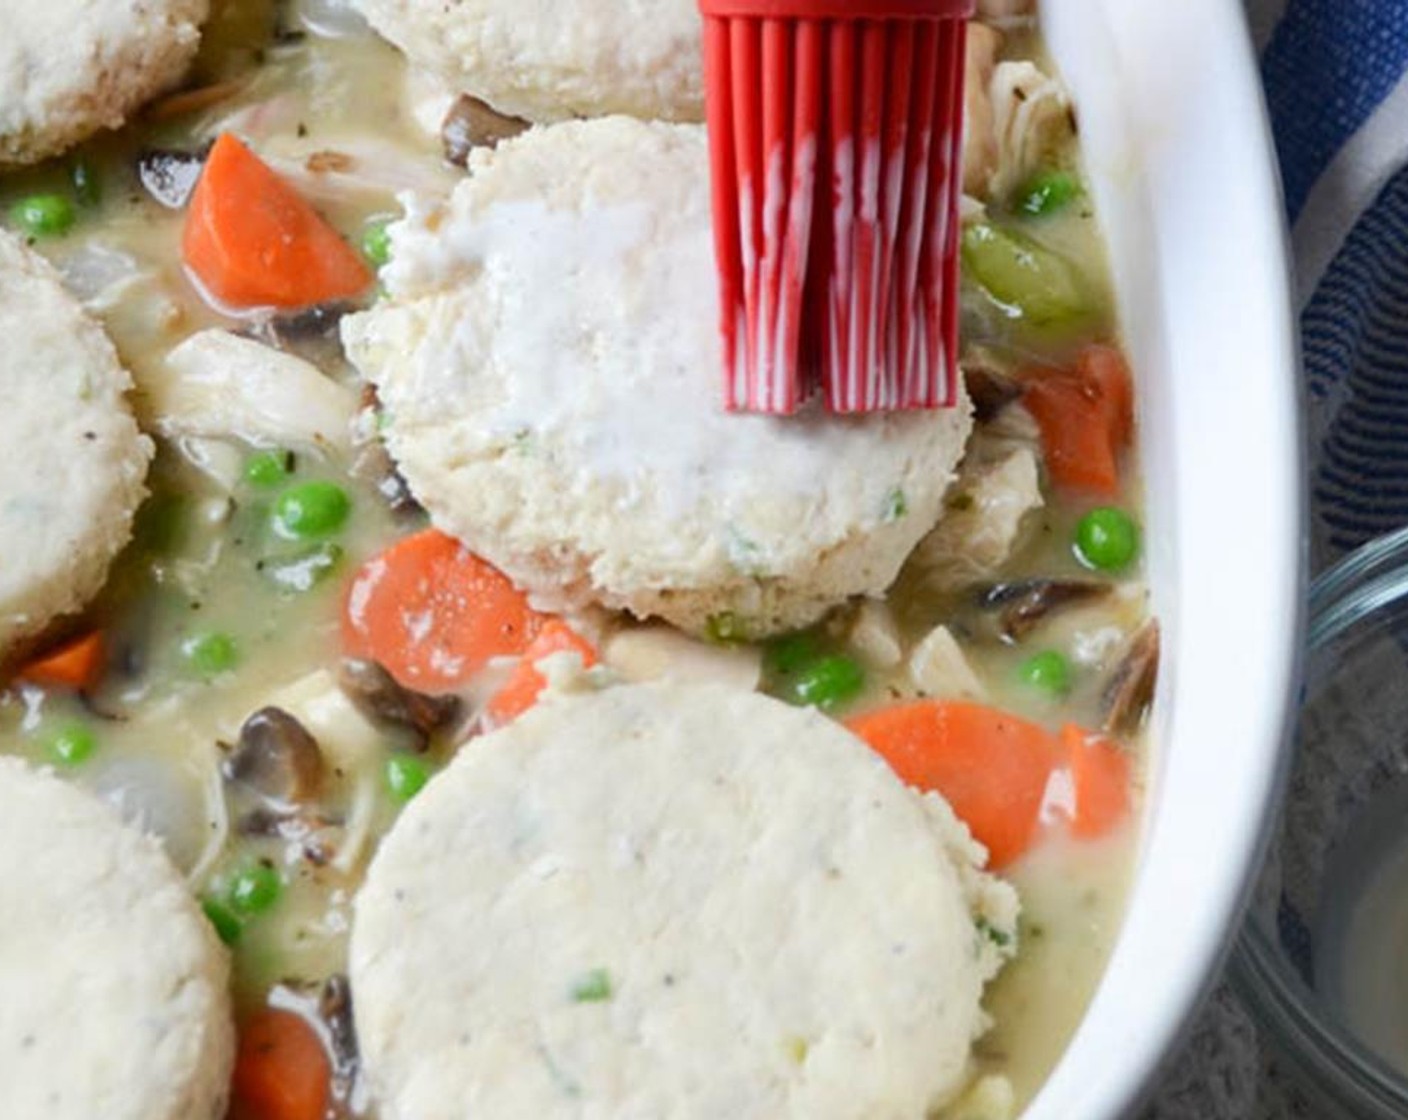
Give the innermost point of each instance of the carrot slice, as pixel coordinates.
(1086, 419)
(1105, 368)
(433, 613)
(254, 241)
(992, 767)
(1100, 780)
(77, 665)
(282, 1071)
(521, 691)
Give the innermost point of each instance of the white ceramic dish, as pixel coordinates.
(1184, 173)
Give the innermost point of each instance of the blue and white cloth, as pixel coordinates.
(1336, 76)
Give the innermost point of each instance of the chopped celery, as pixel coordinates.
(1028, 281)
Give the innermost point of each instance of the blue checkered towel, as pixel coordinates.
(1336, 74)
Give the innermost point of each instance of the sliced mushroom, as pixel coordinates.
(1130, 689)
(374, 464)
(277, 758)
(471, 123)
(349, 740)
(1024, 605)
(312, 334)
(335, 1010)
(169, 176)
(378, 696)
(396, 491)
(317, 838)
(312, 323)
(991, 390)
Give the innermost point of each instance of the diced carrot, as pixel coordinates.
(282, 1071)
(433, 613)
(521, 691)
(254, 241)
(1100, 781)
(77, 665)
(1105, 368)
(1086, 417)
(992, 767)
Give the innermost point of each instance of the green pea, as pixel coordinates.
(593, 987)
(1107, 539)
(43, 215)
(1047, 192)
(71, 744)
(311, 510)
(1026, 280)
(254, 890)
(827, 683)
(228, 926)
(376, 242)
(405, 776)
(268, 468)
(212, 653)
(87, 186)
(1048, 672)
(791, 652)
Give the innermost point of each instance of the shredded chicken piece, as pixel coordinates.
(217, 815)
(939, 668)
(1017, 115)
(875, 636)
(1031, 118)
(220, 461)
(647, 653)
(219, 385)
(987, 509)
(980, 152)
(358, 830)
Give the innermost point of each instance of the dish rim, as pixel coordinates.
(1171, 103)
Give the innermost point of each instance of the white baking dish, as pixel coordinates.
(1183, 169)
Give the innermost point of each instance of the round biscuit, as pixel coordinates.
(69, 68)
(74, 463)
(114, 994)
(550, 367)
(550, 60)
(672, 901)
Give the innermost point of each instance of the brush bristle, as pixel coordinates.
(835, 147)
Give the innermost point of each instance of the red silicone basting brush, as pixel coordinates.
(835, 133)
